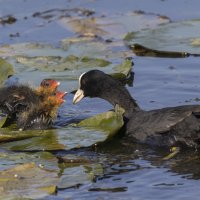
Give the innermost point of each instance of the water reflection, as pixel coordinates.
(132, 169)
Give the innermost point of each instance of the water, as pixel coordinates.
(129, 171)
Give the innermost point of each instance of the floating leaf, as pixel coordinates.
(60, 139)
(75, 56)
(59, 64)
(110, 122)
(115, 26)
(95, 62)
(125, 68)
(49, 189)
(31, 140)
(31, 49)
(7, 135)
(141, 50)
(195, 42)
(76, 170)
(6, 69)
(45, 159)
(129, 36)
(76, 175)
(2, 120)
(84, 26)
(183, 36)
(88, 132)
(27, 180)
(92, 47)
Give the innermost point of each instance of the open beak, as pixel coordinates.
(78, 96)
(60, 95)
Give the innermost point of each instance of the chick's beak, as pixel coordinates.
(78, 96)
(60, 94)
(55, 84)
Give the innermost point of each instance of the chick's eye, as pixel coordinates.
(46, 84)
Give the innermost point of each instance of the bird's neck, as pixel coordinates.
(123, 99)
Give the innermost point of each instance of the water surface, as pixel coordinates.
(127, 171)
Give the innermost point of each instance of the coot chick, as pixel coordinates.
(42, 114)
(17, 101)
(171, 126)
(16, 98)
(47, 87)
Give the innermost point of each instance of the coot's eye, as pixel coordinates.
(83, 82)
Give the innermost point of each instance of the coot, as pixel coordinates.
(171, 126)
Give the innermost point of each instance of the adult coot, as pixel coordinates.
(169, 126)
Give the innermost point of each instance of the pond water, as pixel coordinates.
(113, 170)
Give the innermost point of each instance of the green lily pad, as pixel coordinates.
(8, 135)
(64, 138)
(2, 121)
(82, 174)
(95, 48)
(44, 159)
(25, 181)
(64, 64)
(76, 170)
(6, 69)
(124, 68)
(84, 25)
(59, 64)
(84, 134)
(110, 122)
(141, 50)
(31, 140)
(184, 37)
(113, 26)
(31, 49)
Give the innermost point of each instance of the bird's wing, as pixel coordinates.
(161, 121)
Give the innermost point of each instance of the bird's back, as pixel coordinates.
(167, 126)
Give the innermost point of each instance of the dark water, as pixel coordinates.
(130, 171)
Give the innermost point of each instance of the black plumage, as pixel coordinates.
(169, 126)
